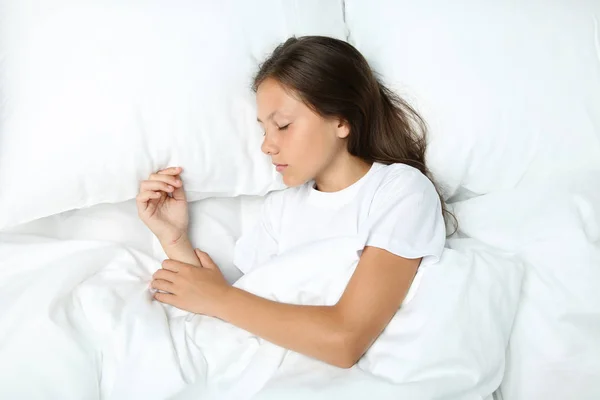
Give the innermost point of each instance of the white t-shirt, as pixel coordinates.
(394, 207)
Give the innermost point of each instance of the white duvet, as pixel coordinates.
(78, 322)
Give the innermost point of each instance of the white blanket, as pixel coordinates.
(77, 321)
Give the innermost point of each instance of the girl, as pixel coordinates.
(342, 141)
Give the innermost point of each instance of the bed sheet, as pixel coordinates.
(215, 225)
(107, 222)
(82, 314)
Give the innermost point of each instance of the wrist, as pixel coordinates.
(180, 249)
(227, 302)
(173, 239)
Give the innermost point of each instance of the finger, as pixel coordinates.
(144, 205)
(205, 259)
(174, 266)
(166, 298)
(156, 186)
(172, 180)
(171, 171)
(151, 205)
(165, 275)
(197, 252)
(160, 284)
(179, 192)
(146, 196)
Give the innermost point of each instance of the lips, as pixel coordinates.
(280, 167)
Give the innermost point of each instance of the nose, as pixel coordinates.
(268, 146)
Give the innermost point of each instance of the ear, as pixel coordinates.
(343, 129)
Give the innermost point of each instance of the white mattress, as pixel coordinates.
(215, 225)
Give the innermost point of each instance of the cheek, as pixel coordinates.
(310, 144)
(307, 152)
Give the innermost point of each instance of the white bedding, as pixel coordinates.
(215, 225)
(78, 322)
(554, 227)
(512, 107)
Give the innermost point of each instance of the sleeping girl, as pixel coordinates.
(342, 142)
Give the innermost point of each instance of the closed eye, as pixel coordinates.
(283, 128)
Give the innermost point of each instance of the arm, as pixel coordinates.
(338, 334)
(181, 250)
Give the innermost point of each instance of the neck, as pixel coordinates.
(342, 172)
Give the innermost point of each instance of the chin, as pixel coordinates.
(292, 181)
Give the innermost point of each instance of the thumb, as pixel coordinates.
(205, 259)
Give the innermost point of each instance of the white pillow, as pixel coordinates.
(511, 92)
(98, 94)
(554, 348)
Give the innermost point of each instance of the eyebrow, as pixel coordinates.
(269, 117)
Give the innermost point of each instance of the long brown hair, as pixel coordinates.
(334, 79)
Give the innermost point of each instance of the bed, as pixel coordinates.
(96, 95)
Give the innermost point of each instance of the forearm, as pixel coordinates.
(181, 250)
(316, 331)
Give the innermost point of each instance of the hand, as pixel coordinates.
(200, 290)
(162, 205)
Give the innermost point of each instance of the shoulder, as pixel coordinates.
(404, 215)
(401, 180)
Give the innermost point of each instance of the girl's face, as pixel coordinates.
(301, 143)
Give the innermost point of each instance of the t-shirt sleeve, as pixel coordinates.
(405, 217)
(260, 243)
